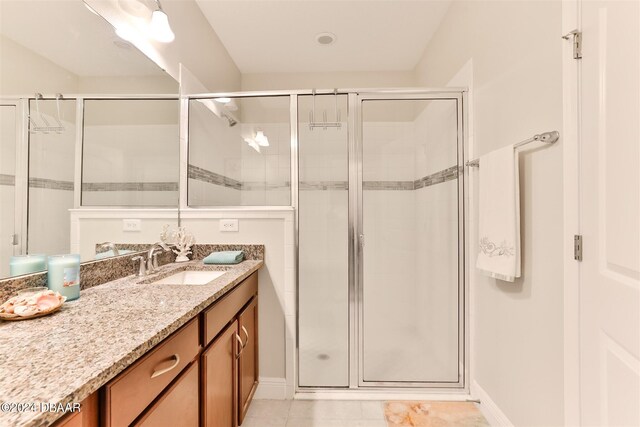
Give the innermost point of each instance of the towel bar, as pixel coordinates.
(546, 137)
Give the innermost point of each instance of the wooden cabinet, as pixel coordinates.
(230, 362)
(178, 406)
(248, 358)
(87, 417)
(131, 392)
(220, 379)
(204, 374)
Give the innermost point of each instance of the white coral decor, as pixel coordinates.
(183, 240)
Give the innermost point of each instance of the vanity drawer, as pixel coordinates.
(127, 396)
(222, 312)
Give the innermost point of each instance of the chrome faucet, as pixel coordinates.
(142, 271)
(152, 256)
(109, 245)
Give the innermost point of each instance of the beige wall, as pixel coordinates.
(23, 71)
(273, 229)
(164, 85)
(362, 79)
(515, 50)
(196, 45)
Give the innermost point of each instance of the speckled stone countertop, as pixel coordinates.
(65, 357)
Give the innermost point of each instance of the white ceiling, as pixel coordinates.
(279, 35)
(68, 34)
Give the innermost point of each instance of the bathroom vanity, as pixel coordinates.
(138, 351)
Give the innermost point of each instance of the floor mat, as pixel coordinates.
(433, 414)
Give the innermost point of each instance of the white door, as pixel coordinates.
(610, 214)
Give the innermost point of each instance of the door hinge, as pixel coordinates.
(577, 247)
(577, 43)
(14, 240)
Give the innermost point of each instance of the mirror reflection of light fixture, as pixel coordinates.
(126, 33)
(253, 144)
(261, 138)
(222, 100)
(159, 26)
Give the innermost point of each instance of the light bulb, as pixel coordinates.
(160, 28)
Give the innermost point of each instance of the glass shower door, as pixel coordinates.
(323, 262)
(410, 266)
(8, 142)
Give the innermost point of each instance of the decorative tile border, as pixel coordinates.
(259, 185)
(7, 179)
(438, 177)
(204, 175)
(323, 185)
(54, 184)
(388, 185)
(130, 186)
(51, 184)
(444, 175)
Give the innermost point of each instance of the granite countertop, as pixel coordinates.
(63, 358)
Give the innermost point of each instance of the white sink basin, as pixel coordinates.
(190, 278)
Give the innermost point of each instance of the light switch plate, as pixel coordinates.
(228, 225)
(131, 225)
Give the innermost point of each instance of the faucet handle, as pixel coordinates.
(142, 271)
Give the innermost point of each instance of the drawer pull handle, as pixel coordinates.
(241, 346)
(165, 370)
(246, 334)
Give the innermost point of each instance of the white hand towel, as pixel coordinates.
(499, 216)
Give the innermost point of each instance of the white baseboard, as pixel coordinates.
(381, 395)
(271, 388)
(490, 410)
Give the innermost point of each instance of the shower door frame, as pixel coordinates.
(356, 239)
(21, 197)
(354, 142)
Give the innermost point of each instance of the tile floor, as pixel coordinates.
(341, 413)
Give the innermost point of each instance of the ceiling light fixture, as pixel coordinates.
(325, 39)
(159, 26)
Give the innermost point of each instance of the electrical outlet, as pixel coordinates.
(131, 225)
(228, 225)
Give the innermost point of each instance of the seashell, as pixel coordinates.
(47, 301)
(25, 310)
(29, 305)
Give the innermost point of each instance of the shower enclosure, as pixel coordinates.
(381, 265)
(377, 183)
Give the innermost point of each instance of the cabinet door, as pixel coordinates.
(248, 361)
(178, 405)
(219, 379)
(87, 417)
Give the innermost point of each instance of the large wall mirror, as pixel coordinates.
(89, 137)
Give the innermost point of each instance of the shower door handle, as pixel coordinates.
(362, 240)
